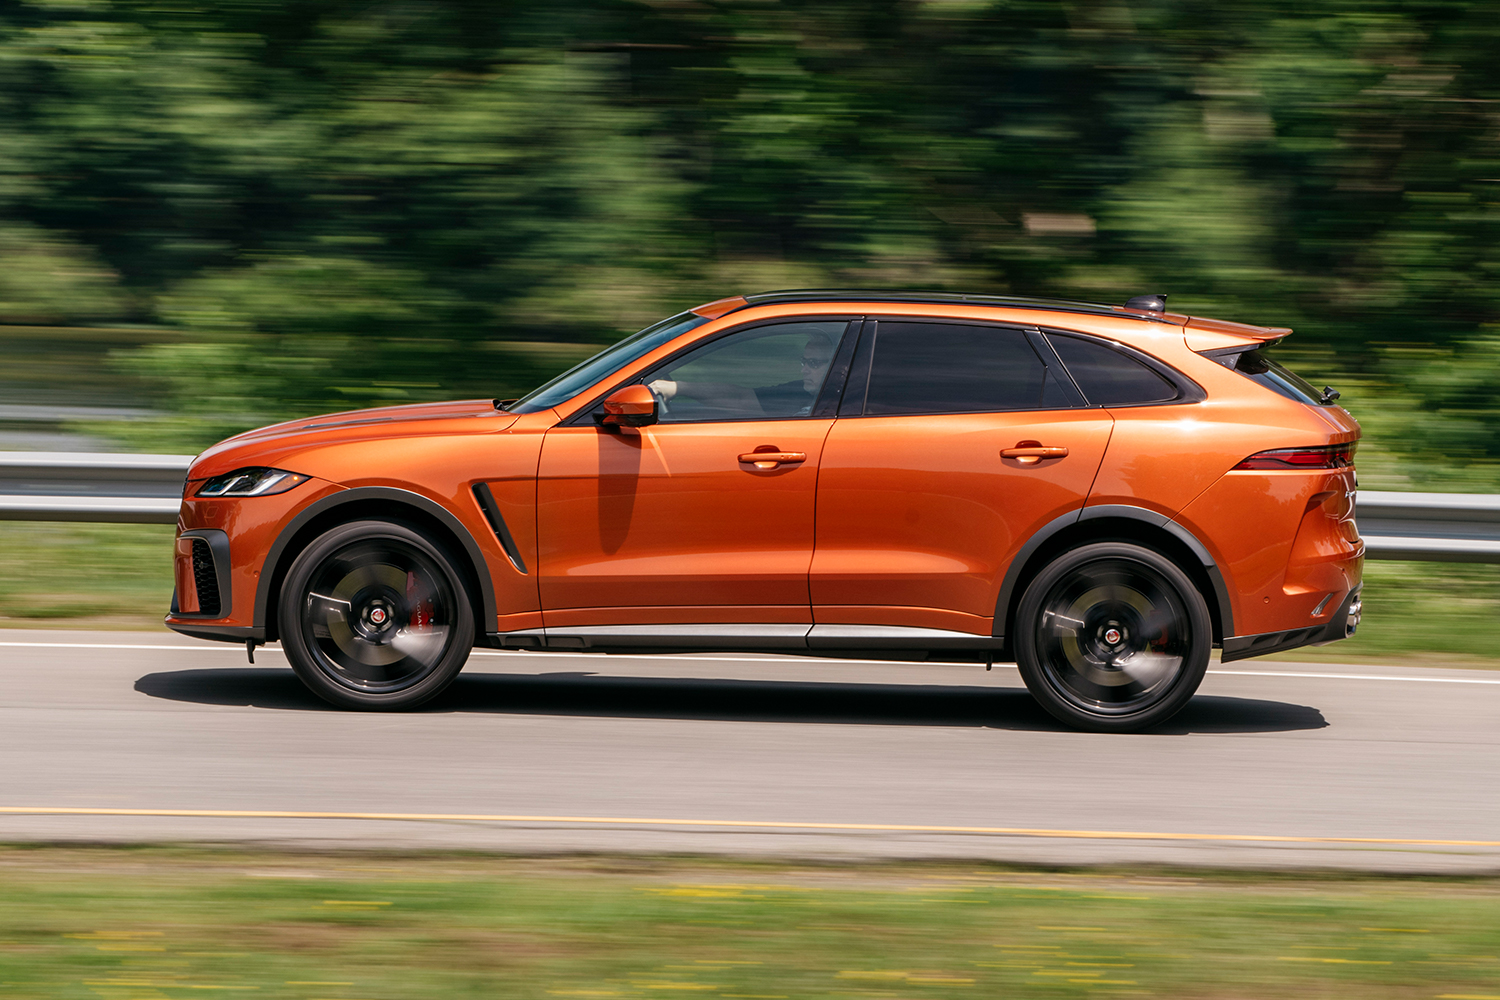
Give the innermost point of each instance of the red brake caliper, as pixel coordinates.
(421, 613)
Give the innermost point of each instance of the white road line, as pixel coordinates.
(1356, 677)
(600, 658)
(130, 645)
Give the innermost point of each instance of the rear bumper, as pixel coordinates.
(1341, 626)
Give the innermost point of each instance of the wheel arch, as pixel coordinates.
(381, 503)
(1120, 523)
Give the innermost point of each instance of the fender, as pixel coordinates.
(387, 493)
(1156, 520)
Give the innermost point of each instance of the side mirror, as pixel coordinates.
(632, 406)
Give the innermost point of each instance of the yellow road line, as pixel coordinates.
(748, 824)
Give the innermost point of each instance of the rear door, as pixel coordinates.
(955, 442)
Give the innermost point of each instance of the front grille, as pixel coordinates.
(206, 577)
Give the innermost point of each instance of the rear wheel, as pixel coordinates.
(1112, 637)
(375, 616)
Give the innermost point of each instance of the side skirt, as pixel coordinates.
(751, 638)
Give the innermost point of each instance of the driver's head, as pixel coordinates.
(817, 354)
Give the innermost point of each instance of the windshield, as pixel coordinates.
(604, 364)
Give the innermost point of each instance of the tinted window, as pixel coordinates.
(763, 373)
(1109, 377)
(1273, 376)
(570, 383)
(952, 368)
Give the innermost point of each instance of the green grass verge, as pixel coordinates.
(120, 576)
(1424, 613)
(84, 575)
(166, 924)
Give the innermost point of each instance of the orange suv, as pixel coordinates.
(1101, 493)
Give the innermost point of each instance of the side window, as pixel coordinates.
(1109, 377)
(763, 373)
(956, 368)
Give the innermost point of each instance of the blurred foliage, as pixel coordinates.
(49, 279)
(348, 203)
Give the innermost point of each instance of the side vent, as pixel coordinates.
(486, 501)
(206, 578)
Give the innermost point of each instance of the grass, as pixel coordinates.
(120, 576)
(1432, 613)
(175, 923)
(84, 575)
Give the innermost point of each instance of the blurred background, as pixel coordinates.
(213, 216)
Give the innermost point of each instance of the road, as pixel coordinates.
(147, 735)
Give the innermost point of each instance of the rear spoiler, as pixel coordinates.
(1218, 338)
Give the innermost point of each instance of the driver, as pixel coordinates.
(788, 399)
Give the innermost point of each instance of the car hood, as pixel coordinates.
(270, 445)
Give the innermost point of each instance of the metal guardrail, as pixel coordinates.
(146, 489)
(79, 486)
(1434, 527)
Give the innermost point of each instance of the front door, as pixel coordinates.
(706, 516)
(955, 444)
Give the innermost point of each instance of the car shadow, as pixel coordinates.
(809, 702)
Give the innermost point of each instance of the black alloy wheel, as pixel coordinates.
(374, 615)
(1112, 637)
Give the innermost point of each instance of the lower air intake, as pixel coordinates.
(206, 577)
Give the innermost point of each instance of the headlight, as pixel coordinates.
(255, 482)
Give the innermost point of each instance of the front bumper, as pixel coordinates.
(219, 633)
(238, 534)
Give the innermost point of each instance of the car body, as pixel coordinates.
(1103, 493)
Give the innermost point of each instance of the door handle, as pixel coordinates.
(766, 457)
(1032, 452)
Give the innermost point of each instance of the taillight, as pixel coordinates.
(1334, 456)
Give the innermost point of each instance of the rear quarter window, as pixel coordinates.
(1255, 366)
(1109, 377)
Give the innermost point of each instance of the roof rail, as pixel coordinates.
(955, 298)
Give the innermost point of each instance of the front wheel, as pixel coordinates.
(1112, 637)
(375, 616)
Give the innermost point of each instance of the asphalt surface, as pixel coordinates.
(1332, 766)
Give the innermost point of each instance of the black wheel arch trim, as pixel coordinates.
(390, 494)
(1127, 512)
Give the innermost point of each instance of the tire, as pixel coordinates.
(1112, 638)
(374, 616)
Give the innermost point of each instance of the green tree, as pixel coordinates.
(343, 203)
